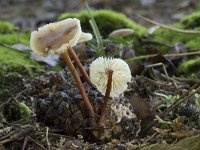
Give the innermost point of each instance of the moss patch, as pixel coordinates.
(106, 20)
(191, 67)
(6, 27)
(14, 37)
(14, 65)
(190, 143)
(191, 41)
(191, 21)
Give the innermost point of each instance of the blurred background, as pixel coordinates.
(29, 13)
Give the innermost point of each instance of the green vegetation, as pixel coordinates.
(191, 41)
(6, 27)
(106, 20)
(25, 111)
(14, 64)
(14, 38)
(191, 21)
(190, 68)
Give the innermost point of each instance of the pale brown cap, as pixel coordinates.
(57, 37)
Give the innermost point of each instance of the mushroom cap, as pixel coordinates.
(57, 37)
(121, 75)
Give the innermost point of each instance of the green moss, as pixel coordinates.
(190, 143)
(106, 20)
(13, 38)
(14, 65)
(191, 67)
(25, 111)
(191, 41)
(191, 21)
(15, 58)
(6, 27)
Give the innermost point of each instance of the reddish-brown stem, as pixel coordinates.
(81, 89)
(78, 63)
(106, 98)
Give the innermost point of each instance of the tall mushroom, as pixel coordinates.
(110, 76)
(60, 37)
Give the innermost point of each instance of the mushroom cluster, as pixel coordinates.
(109, 75)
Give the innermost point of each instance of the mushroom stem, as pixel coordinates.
(78, 63)
(106, 99)
(81, 89)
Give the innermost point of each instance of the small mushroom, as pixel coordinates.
(110, 76)
(99, 75)
(60, 37)
(57, 37)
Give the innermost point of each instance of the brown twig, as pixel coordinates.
(42, 147)
(81, 89)
(182, 54)
(47, 138)
(78, 63)
(106, 99)
(156, 65)
(6, 141)
(167, 27)
(25, 143)
(166, 55)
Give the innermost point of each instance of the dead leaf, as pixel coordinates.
(141, 107)
(21, 47)
(51, 60)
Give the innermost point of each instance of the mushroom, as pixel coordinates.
(110, 76)
(60, 37)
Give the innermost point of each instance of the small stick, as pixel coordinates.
(47, 139)
(55, 134)
(182, 54)
(42, 147)
(106, 99)
(81, 88)
(25, 143)
(167, 27)
(165, 55)
(78, 63)
(156, 65)
(6, 141)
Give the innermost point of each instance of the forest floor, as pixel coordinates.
(40, 105)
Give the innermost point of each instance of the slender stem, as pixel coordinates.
(81, 89)
(78, 63)
(107, 96)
